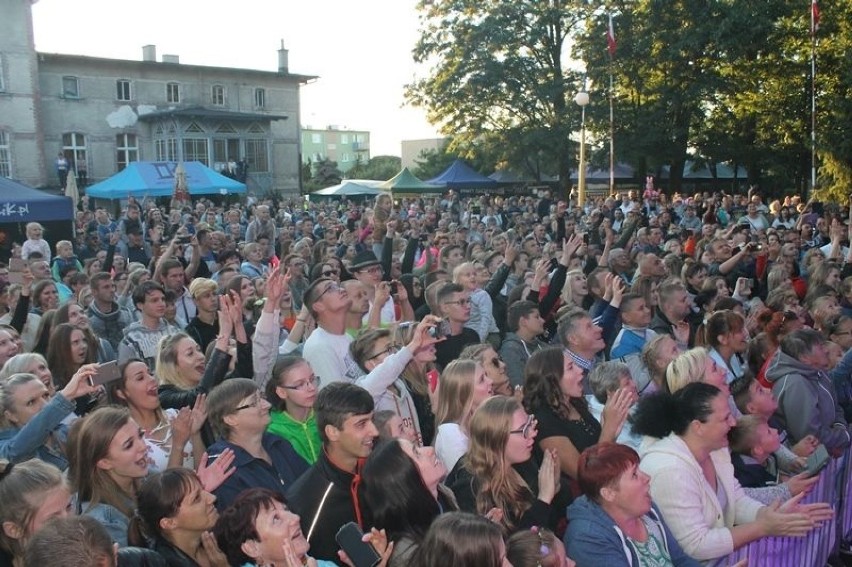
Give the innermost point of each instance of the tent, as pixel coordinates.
(461, 176)
(19, 203)
(406, 182)
(511, 177)
(157, 179)
(350, 188)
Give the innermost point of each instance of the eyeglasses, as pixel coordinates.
(255, 402)
(315, 381)
(528, 430)
(329, 273)
(459, 302)
(333, 287)
(390, 350)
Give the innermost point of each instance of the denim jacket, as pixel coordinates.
(27, 442)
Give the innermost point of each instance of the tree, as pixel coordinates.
(379, 167)
(499, 85)
(325, 174)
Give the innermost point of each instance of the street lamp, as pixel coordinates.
(582, 99)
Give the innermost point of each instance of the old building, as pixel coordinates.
(102, 113)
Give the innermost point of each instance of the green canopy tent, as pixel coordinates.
(406, 183)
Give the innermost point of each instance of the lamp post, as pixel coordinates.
(582, 99)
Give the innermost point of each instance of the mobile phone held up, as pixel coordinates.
(441, 330)
(361, 553)
(107, 372)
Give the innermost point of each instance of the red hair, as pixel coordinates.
(602, 465)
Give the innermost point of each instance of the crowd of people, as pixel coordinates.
(479, 381)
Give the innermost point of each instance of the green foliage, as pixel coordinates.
(499, 84)
(324, 174)
(379, 167)
(723, 81)
(432, 163)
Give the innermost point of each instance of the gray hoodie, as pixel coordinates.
(141, 342)
(807, 402)
(515, 352)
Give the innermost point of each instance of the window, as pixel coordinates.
(331, 147)
(257, 155)
(5, 155)
(218, 95)
(122, 89)
(2, 81)
(70, 87)
(172, 92)
(226, 150)
(345, 158)
(316, 138)
(126, 150)
(344, 138)
(74, 146)
(195, 149)
(260, 98)
(166, 150)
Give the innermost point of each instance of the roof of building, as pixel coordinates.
(210, 113)
(171, 66)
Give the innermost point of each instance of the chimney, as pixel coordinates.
(283, 57)
(171, 59)
(149, 53)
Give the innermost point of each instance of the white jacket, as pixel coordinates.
(689, 504)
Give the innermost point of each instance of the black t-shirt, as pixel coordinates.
(449, 349)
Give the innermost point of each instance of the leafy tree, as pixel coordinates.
(432, 163)
(499, 84)
(325, 174)
(379, 167)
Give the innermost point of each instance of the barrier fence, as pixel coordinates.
(835, 487)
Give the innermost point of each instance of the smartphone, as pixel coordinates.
(586, 238)
(818, 460)
(361, 554)
(393, 288)
(432, 377)
(441, 330)
(552, 264)
(107, 372)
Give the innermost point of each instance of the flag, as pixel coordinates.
(610, 36)
(814, 17)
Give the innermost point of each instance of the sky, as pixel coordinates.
(360, 50)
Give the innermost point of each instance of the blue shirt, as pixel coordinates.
(252, 472)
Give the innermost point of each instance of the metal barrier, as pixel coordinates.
(834, 486)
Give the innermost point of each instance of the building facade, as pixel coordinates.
(346, 147)
(101, 114)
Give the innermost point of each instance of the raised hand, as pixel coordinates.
(181, 425)
(212, 476)
(548, 476)
(198, 413)
(79, 384)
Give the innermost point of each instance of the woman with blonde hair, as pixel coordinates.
(498, 471)
(695, 365)
(576, 289)
(464, 385)
(183, 371)
(656, 356)
(29, 363)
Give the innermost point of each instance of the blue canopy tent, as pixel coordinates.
(461, 176)
(142, 179)
(20, 204)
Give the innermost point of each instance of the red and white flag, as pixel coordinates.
(814, 17)
(610, 36)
